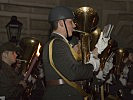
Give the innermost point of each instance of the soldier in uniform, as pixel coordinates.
(11, 85)
(62, 25)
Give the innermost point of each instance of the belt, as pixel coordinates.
(55, 82)
(61, 82)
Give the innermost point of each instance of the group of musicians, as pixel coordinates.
(63, 72)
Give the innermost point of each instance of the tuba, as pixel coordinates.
(86, 20)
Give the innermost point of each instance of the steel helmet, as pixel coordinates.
(9, 46)
(59, 13)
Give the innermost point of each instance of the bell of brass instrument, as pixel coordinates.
(86, 20)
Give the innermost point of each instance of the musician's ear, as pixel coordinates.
(60, 22)
(4, 55)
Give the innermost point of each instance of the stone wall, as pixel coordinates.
(33, 14)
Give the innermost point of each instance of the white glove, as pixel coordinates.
(123, 80)
(41, 73)
(100, 75)
(95, 62)
(102, 43)
(108, 66)
(30, 78)
(109, 81)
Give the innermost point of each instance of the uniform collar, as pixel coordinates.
(5, 66)
(61, 36)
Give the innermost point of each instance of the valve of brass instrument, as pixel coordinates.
(85, 47)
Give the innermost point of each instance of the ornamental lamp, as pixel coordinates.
(13, 29)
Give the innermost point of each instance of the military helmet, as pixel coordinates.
(59, 13)
(8, 46)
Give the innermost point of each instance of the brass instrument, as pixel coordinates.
(119, 58)
(86, 20)
(29, 46)
(94, 37)
(105, 54)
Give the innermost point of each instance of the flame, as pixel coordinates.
(38, 53)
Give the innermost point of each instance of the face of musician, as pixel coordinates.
(66, 26)
(70, 26)
(8, 52)
(130, 57)
(9, 57)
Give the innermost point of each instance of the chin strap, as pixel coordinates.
(66, 28)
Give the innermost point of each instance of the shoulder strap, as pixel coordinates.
(73, 84)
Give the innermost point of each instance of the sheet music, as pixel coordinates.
(107, 30)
